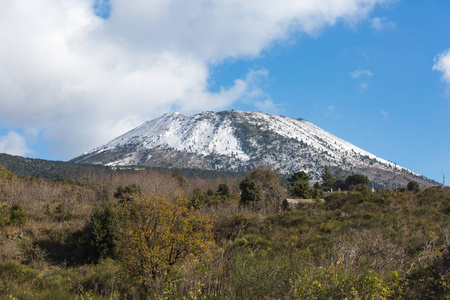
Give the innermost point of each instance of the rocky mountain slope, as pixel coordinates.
(241, 141)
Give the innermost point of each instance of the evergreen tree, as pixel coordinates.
(263, 186)
(250, 191)
(223, 190)
(339, 182)
(328, 180)
(316, 192)
(356, 179)
(102, 232)
(299, 185)
(413, 186)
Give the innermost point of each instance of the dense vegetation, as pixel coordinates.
(159, 235)
(41, 168)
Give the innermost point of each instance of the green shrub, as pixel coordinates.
(334, 283)
(240, 242)
(326, 227)
(4, 214)
(4, 173)
(16, 271)
(224, 190)
(14, 277)
(59, 283)
(413, 186)
(293, 218)
(18, 215)
(63, 212)
(258, 275)
(383, 197)
(102, 231)
(103, 278)
(335, 200)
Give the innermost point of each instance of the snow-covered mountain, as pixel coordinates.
(241, 141)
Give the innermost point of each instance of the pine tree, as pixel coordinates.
(299, 185)
(328, 180)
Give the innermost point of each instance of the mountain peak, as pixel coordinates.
(172, 114)
(240, 141)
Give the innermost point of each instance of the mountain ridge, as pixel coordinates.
(241, 141)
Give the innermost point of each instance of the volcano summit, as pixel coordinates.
(241, 141)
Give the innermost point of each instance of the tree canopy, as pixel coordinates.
(413, 186)
(157, 234)
(262, 186)
(356, 179)
(299, 185)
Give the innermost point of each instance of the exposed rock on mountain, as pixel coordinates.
(241, 141)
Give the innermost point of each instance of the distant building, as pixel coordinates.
(294, 203)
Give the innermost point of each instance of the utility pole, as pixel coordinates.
(443, 178)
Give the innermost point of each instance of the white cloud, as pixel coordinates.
(13, 143)
(330, 112)
(268, 106)
(361, 73)
(82, 80)
(253, 95)
(363, 86)
(384, 114)
(361, 76)
(381, 24)
(442, 64)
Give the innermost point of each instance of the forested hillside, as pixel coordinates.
(42, 168)
(49, 169)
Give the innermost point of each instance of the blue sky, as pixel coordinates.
(75, 74)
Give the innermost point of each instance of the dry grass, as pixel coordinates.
(262, 253)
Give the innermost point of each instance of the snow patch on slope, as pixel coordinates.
(292, 144)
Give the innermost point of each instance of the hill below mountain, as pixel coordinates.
(240, 141)
(51, 169)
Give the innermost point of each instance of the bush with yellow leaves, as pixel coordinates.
(158, 234)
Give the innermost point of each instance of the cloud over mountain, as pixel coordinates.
(78, 78)
(442, 64)
(13, 143)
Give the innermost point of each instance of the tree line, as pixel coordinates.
(263, 187)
